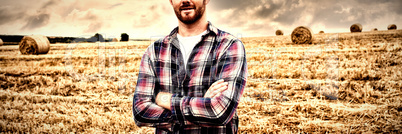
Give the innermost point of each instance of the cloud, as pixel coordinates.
(36, 21)
(8, 16)
(115, 5)
(147, 18)
(154, 17)
(94, 27)
(41, 18)
(50, 3)
(91, 20)
(255, 16)
(87, 15)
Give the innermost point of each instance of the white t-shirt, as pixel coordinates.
(187, 44)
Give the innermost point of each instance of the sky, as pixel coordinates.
(155, 18)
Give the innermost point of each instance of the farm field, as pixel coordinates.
(342, 83)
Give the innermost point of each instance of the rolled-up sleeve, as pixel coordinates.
(232, 67)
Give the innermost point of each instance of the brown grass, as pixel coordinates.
(356, 28)
(302, 35)
(34, 44)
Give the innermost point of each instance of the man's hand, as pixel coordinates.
(163, 99)
(216, 89)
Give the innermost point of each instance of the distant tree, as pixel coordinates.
(96, 37)
(124, 37)
(99, 37)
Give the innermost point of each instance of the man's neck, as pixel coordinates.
(187, 30)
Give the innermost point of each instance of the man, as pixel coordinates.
(191, 81)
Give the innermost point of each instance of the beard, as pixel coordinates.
(199, 11)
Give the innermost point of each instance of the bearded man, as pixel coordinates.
(191, 81)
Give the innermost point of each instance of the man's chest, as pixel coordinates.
(191, 79)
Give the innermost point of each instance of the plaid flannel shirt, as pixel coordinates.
(218, 55)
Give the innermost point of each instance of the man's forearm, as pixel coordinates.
(163, 99)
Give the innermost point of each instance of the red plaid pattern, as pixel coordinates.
(218, 55)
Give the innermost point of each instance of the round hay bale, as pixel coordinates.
(115, 40)
(1, 42)
(356, 28)
(302, 35)
(278, 32)
(34, 44)
(321, 32)
(374, 29)
(391, 27)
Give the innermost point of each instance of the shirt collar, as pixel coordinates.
(210, 29)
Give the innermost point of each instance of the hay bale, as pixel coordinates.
(115, 40)
(34, 44)
(278, 32)
(1, 42)
(356, 28)
(391, 27)
(374, 29)
(321, 32)
(302, 35)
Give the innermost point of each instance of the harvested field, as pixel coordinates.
(341, 83)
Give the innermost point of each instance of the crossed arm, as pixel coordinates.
(163, 99)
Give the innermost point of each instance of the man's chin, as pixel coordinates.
(188, 19)
(188, 15)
